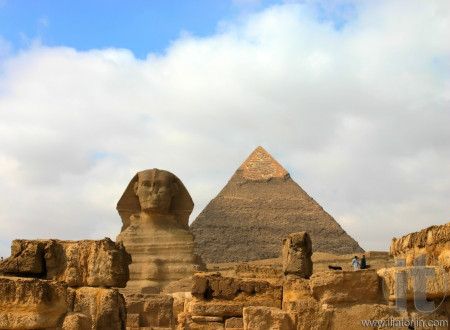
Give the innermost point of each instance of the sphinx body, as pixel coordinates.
(155, 211)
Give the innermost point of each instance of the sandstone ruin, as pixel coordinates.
(53, 284)
(257, 298)
(433, 241)
(77, 263)
(296, 253)
(258, 207)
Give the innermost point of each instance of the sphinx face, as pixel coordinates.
(155, 190)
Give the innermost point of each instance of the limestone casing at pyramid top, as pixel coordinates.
(260, 165)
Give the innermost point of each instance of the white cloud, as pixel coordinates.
(358, 116)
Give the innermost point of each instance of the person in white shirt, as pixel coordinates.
(355, 263)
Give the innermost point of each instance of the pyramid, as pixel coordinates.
(260, 205)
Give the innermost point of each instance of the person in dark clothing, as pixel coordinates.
(363, 262)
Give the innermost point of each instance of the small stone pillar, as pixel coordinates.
(296, 254)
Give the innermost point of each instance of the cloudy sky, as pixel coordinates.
(351, 97)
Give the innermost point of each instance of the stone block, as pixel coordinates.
(207, 318)
(78, 263)
(179, 301)
(30, 303)
(311, 315)
(77, 321)
(433, 241)
(154, 310)
(296, 254)
(209, 286)
(234, 323)
(133, 320)
(294, 291)
(216, 295)
(333, 287)
(267, 272)
(267, 318)
(106, 307)
(350, 316)
(27, 257)
(437, 286)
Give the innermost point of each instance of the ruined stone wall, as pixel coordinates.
(66, 285)
(433, 241)
(334, 299)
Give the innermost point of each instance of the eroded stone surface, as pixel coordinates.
(294, 291)
(350, 317)
(151, 310)
(27, 257)
(296, 254)
(77, 321)
(437, 286)
(216, 295)
(188, 322)
(433, 241)
(30, 303)
(311, 315)
(78, 263)
(333, 287)
(234, 323)
(267, 318)
(105, 307)
(267, 272)
(155, 210)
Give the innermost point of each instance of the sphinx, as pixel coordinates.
(155, 209)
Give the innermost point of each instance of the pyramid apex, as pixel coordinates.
(260, 165)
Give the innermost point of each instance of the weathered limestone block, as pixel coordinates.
(433, 241)
(296, 255)
(437, 286)
(295, 290)
(133, 320)
(77, 321)
(179, 301)
(155, 209)
(332, 287)
(234, 323)
(299, 301)
(216, 295)
(78, 263)
(311, 315)
(267, 272)
(207, 286)
(154, 310)
(189, 322)
(29, 303)
(350, 316)
(27, 257)
(269, 318)
(106, 307)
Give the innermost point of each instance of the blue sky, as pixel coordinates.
(351, 97)
(140, 26)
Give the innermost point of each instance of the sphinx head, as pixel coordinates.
(155, 190)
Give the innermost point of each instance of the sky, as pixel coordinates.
(351, 97)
